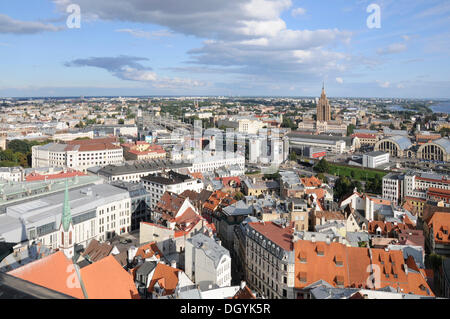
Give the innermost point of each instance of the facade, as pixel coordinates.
(157, 185)
(140, 200)
(375, 159)
(243, 124)
(366, 138)
(436, 150)
(207, 263)
(270, 259)
(393, 187)
(12, 174)
(413, 185)
(79, 155)
(206, 162)
(134, 172)
(97, 212)
(333, 144)
(143, 151)
(396, 146)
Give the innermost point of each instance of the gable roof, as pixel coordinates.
(106, 279)
(166, 277)
(344, 266)
(54, 272)
(96, 251)
(441, 227)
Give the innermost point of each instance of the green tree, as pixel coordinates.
(350, 129)
(121, 121)
(322, 166)
(293, 156)
(238, 196)
(345, 186)
(21, 146)
(375, 185)
(323, 178)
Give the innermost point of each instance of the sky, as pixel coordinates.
(225, 48)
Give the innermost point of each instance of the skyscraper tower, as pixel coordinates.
(66, 244)
(323, 108)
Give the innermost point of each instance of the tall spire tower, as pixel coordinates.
(323, 107)
(66, 228)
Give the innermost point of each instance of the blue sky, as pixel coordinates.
(234, 47)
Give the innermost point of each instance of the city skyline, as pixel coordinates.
(237, 48)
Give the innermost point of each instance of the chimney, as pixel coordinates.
(328, 240)
(173, 264)
(405, 267)
(313, 238)
(243, 284)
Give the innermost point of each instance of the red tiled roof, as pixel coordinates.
(340, 265)
(54, 272)
(106, 279)
(37, 177)
(441, 227)
(279, 235)
(149, 250)
(311, 181)
(166, 277)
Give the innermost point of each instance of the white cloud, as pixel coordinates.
(147, 34)
(393, 48)
(384, 84)
(339, 80)
(129, 68)
(10, 25)
(248, 36)
(298, 12)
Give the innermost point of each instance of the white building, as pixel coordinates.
(79, 155)
(393, 187)
(209, 161)
(70, 136)
(267, 150)
(97, 212)
(412, 184)
(12, 174)
(242, 124)
(375, 159)
(173, 182)
(207, 263)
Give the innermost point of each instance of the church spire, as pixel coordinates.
(66, 215)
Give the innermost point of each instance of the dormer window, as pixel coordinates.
(339, 280)
(302, 277)
(320, 250)
(303, 257)
(339, 261)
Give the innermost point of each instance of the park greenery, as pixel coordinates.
(351, 178)
(18, 153)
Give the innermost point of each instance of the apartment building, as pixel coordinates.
(207, 162)
(134, 172)
(393, 187)
(207, 263)
(158, 184)
(397, 187)
(79, 155)
(270, 259)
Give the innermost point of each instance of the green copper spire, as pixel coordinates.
(66, 216)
